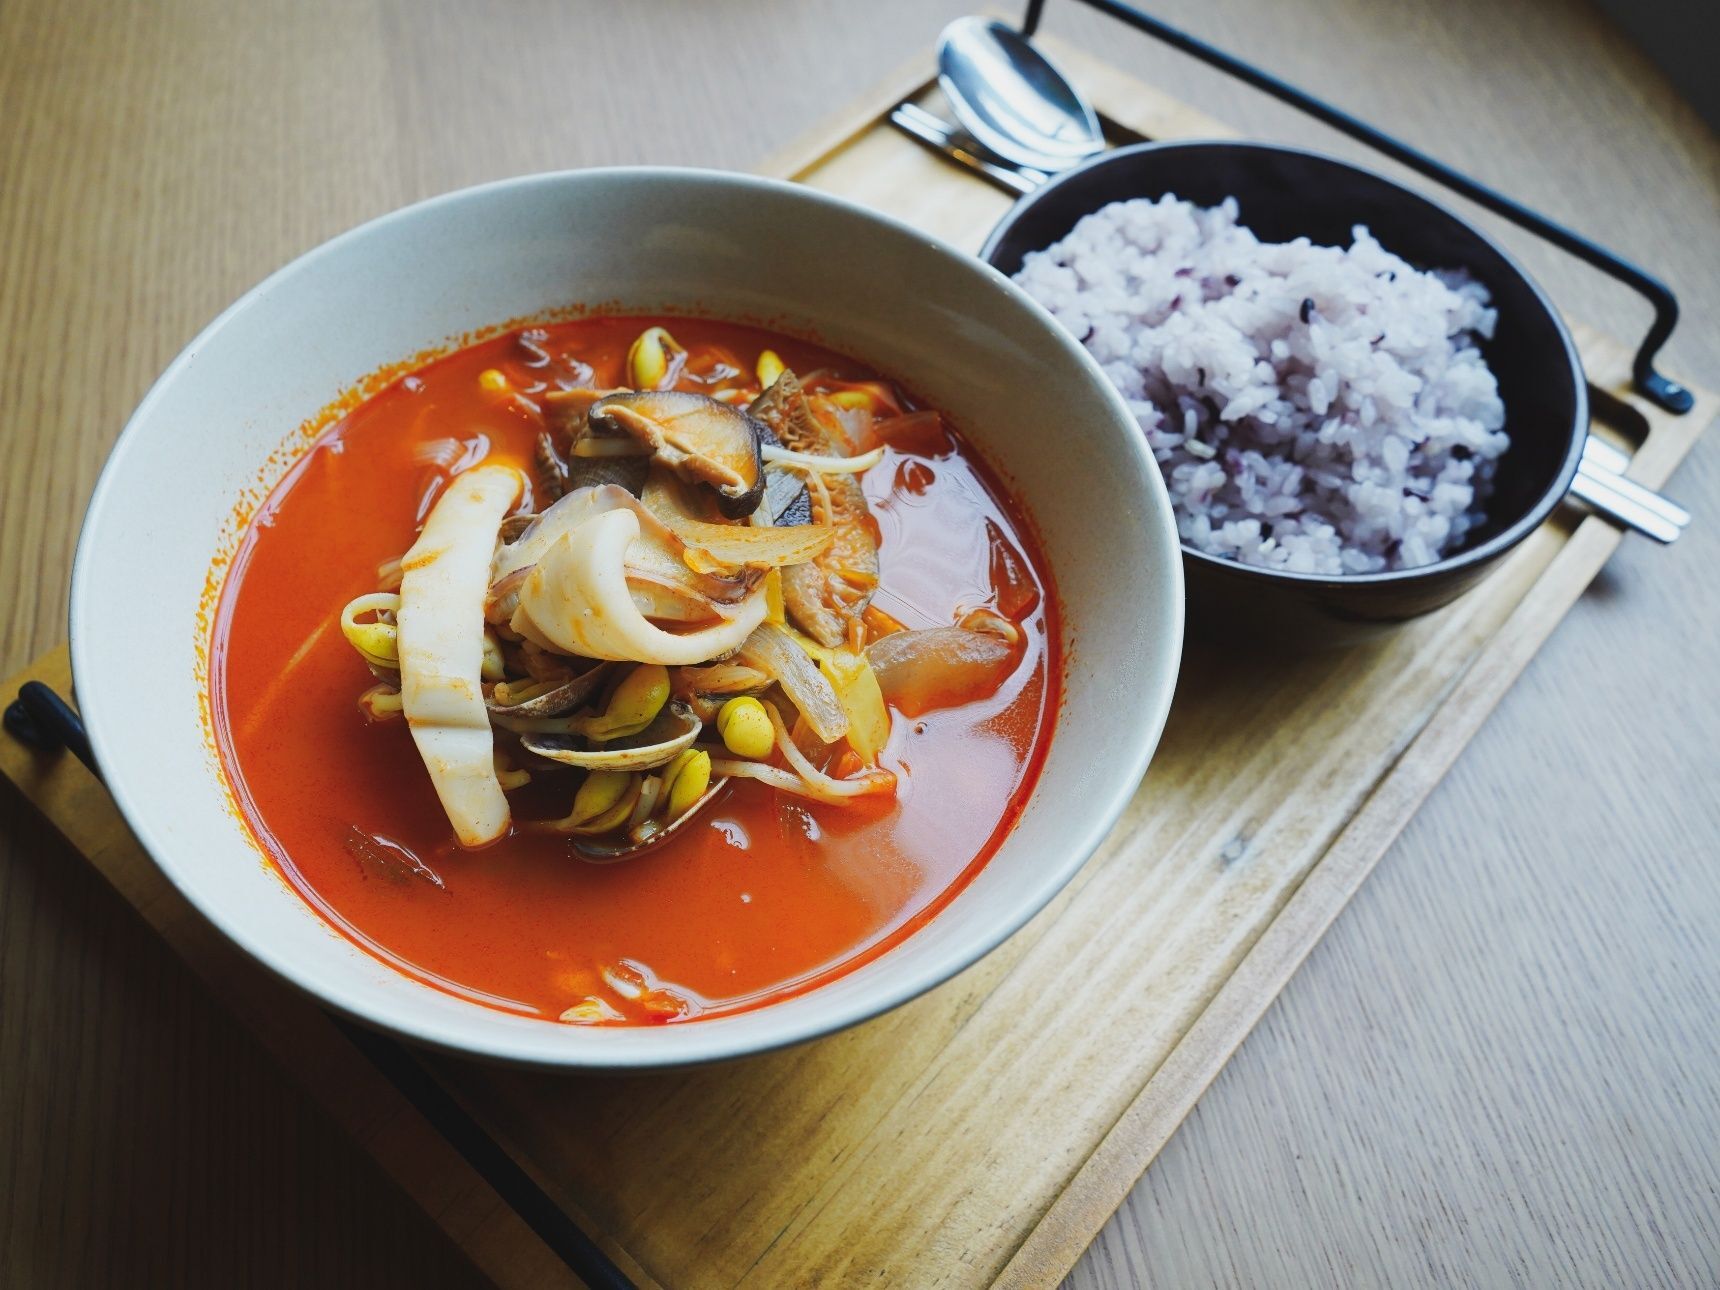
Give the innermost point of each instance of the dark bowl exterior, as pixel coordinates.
(1286, 193)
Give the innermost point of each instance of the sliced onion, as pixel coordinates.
(503, 597)
(850, 675)
(774, 652)
(667, 601)
(563, 516)
(991, 623)
(728, 548)
(921, 671)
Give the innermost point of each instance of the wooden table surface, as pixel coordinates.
(1500, 1066)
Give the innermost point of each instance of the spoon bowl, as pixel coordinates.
(1012, 99)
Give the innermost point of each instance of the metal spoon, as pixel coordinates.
(1013, 101)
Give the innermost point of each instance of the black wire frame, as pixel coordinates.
(43, 720)
(1658, 389)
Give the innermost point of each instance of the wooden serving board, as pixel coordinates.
(984, 1133)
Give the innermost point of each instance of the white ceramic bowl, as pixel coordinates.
(639, 240)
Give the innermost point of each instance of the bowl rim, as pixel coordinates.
(1469, 557)
(543, 1044)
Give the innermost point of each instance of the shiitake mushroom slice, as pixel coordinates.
(702, 440)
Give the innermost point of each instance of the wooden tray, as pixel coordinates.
(985, 1132)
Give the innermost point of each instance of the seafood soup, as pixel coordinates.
(630, 671)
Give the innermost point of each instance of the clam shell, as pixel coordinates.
(658, 744)
(559, 701)
(600, 851)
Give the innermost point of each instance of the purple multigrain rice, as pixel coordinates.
(1316, 409)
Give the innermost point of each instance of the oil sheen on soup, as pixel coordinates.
(455, 688)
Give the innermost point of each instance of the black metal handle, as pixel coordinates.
(554, 1227)
(42, 719)
(1658, 389)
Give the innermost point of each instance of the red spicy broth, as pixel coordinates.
(767, 895)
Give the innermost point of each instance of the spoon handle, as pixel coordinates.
(1609, 463)
(1603, 497)
(1601, 484)
(922, 126)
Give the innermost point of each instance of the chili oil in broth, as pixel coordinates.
(766, 895)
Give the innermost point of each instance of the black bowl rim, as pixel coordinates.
(1484, 553)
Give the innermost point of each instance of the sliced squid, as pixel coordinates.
(441, 647)
(663, 585)
(577, 598)
(563, 516)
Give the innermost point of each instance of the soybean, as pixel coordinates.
(745, 727)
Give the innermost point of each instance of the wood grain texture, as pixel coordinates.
(154, 162)
(299, 1036)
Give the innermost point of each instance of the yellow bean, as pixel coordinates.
(378, 642)
(770, 366)
(602, 793)
(613, 818)
(674, 768)
(636, 701)
(492, 380)
(745, 728)
(652, 358)
(692, 777)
